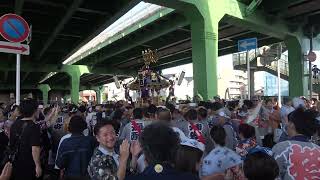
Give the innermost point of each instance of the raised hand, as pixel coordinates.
(135, 148)
(124, 150)
(6, 172)
(38, 171)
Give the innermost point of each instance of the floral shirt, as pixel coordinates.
(244, 146)
(103, 166)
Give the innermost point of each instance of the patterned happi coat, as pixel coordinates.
(102, 167)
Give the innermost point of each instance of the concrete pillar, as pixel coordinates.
(296, 67)
(44, 88)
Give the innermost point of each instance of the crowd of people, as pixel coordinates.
(249, 139)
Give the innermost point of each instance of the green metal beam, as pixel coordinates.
(94, 78)
(56, 80)
(73, 8)
(36, 86)
(25, 76)
(18, 6)
(108, 22)
(125, 32)
(252, 7)
(13, 87)
(276, 5)
(179, 5)
(169, 50)
(167, 27)
(259, 21)
(236, 11)
(5, 77)
(35, 67)
(204, 17)
(175, 63)
(28, 87)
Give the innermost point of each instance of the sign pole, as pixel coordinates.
(18, 80)
(14, 29)
(247, 45)
(310, 64)
(310, 79)
(279, 80)
(248, 73)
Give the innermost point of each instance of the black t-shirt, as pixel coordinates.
(3, 144)
(24, 166)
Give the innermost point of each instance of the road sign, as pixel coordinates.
(14, 28)
(247, 44)
(312, 56)
(14, 48)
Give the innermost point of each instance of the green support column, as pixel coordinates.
(44, 88)
(75, 88)
(204, 19)
(98, 96)
(99, 91)
(296, 68)
(75, 73)
(204, 37)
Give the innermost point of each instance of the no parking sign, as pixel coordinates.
(16, 30)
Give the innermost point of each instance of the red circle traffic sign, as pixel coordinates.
(14, 28)
(312, 56)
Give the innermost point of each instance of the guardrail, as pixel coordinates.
(239, 59)
(284, 66)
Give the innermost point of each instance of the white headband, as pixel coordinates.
(193, 143)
